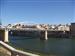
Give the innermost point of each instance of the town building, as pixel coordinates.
(72, 29)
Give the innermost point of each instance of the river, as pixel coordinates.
(52, 46)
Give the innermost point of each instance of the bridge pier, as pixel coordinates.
(64, 32)
(44, 35)
(4, 35)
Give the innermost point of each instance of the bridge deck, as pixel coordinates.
(29, 29)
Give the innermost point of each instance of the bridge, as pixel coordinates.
(44, 32)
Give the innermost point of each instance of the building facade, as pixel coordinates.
(72, 29)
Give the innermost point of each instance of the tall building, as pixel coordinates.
(72, 29)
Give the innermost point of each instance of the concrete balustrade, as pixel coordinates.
(14, 52)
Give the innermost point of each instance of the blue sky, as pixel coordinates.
(37, 11)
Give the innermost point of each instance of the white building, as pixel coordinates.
(64, 27)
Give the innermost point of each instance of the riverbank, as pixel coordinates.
(3, 51)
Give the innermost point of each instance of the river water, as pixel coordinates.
(52, 46)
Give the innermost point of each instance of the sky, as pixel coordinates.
(37, 11)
